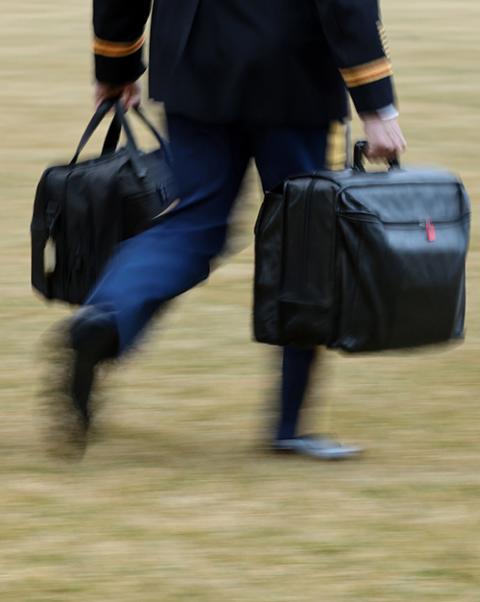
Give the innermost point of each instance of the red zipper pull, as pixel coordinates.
(430, 230)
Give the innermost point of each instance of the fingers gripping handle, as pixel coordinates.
(360, 153)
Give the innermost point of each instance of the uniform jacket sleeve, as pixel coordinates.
(357, 41)
(119, 38)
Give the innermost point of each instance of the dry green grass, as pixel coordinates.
(175, 501)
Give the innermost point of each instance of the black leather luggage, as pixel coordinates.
(362, 261)
(83, 209)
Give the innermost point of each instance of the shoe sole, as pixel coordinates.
(342, 456)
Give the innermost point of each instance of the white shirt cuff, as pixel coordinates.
(387, 113)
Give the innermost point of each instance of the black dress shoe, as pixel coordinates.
(317, 447)
(77, 347)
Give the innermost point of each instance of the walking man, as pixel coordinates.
(239, 79)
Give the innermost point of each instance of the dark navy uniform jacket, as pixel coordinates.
(257, 61)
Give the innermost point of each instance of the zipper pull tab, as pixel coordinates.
(430, 230)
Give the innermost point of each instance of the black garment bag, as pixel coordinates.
(83, 209)
(362, 261)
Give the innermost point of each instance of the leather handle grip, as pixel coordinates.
(360, 153)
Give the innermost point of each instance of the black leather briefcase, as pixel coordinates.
(362, 261)
(83, 209)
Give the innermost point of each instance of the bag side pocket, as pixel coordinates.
(307, 303)
(268, 270)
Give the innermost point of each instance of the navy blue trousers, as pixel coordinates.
(174, 256)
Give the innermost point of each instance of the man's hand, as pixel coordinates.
(384, 137)
(130, 94)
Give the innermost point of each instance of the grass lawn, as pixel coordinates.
(176, 500)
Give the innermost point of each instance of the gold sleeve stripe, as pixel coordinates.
(367, 73)
(336, 156)
(384, 39)
(117, 49)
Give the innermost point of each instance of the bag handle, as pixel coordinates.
(115, 129)
(119, 122)
(93, 124)
(360, 152)
(113, 135)
(132, 148)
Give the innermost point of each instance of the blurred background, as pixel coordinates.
(176, 500)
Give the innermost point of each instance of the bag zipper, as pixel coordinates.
(368, 184)
(428, 224)
(370, 217)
